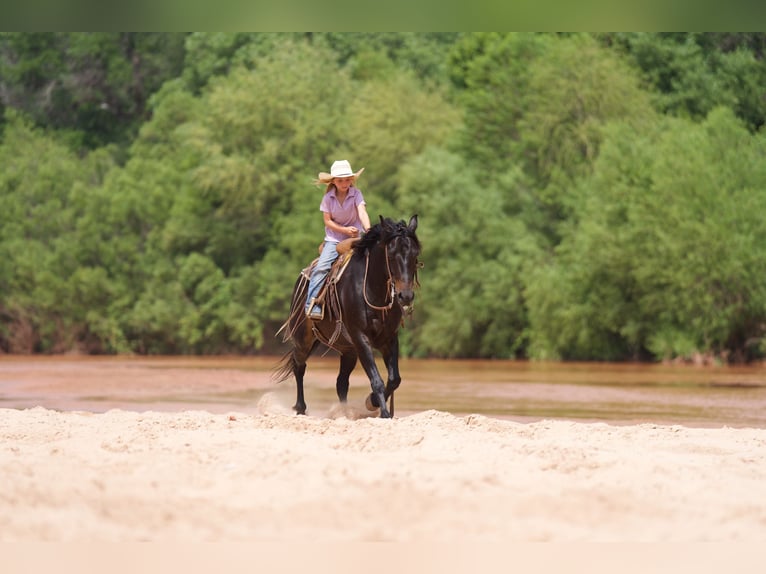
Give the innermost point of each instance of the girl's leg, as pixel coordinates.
(322, 268)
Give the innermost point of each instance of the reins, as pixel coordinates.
(389, 283)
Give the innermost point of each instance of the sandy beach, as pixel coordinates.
(204, 460)
(427, 477)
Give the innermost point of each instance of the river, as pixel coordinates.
(702, 396)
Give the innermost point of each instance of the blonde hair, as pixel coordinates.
(331, 184)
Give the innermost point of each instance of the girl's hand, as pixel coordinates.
(352, 231)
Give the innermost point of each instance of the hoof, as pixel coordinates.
(370, 403)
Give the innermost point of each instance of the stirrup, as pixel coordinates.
(315, 310)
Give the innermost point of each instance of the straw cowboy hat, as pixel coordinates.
(340, 168)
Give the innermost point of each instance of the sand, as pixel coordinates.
(428, 477)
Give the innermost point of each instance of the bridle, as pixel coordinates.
(389, 284)
(390, 290)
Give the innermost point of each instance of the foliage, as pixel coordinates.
(473, 306)
(381, 114)
(666, 259)
(492, 72)
(581, 196)
(541, 102)
(91, 86)
(692, 73)
(49, 290)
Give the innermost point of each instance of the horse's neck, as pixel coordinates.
(377, 269)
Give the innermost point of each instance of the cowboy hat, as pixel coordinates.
(340, 168)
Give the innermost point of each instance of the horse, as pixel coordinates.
(364, 307)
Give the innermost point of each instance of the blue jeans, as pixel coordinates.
(328, 256)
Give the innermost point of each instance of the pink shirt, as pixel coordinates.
(345, 214)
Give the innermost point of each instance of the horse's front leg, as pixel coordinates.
(366, 357)
(391, 358)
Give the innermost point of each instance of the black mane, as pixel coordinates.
(384, 232)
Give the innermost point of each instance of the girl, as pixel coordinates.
(345, 215)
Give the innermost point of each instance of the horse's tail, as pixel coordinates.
(285, 368)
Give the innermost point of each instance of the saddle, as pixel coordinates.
(338, 267)
(343, 246)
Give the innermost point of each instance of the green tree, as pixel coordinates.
(492, 72)
(48, 294)
(215, 54)
(391, 123)
(93, 86)
(422, 54)
(541, 101)
(692, 73)
(574, 91)
(664, 260)
(225, 181)
(472, 302)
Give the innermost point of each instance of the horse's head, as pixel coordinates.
(402, 250)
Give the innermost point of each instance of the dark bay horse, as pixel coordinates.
(363, 312)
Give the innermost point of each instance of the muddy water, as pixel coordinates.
(522, 391)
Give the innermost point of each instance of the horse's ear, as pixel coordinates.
(413, 225)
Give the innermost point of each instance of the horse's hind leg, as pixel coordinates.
(347, 364)
(300, 355)
(299, 369)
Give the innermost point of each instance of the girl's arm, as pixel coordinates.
(350, 231)
(365, 219)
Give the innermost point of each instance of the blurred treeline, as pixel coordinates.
(581, 196)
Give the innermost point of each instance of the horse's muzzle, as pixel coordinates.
(405, 297)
